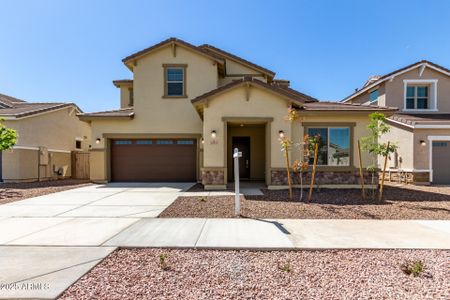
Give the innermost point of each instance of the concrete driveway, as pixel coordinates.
(48, 242)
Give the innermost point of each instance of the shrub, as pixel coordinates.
(163, 261)
(286, 267)
(413, 267)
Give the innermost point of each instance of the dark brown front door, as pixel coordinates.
(154, 160)
(243, 144)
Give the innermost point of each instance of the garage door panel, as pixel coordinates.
(140, 161)
(441, 162)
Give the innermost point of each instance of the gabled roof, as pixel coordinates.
(124, 113)
(289, 94)
(221, 53)
(381, 79)
(11, 107)
(164, 43)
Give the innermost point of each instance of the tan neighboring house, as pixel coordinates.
(421, 127)
(48, 134)
(188, 106)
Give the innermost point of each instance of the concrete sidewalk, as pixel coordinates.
(285, 234)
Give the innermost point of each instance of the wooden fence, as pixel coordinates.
(80, 165)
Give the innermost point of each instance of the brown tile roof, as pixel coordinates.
(16, 108)
(288, 93)
(386, 76)
(422, 119)
(117, 113)
(216, 51)
(168, 41)
(338, 106)
(8, 101)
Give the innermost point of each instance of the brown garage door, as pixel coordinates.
(153, 160)
(441, 162)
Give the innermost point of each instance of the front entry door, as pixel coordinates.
(243, 144)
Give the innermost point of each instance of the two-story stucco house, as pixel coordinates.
(188, 106)
(48, 134)
(421, 127)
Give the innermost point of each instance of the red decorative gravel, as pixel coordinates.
(208, 274)
(406, 202)
(10, 192)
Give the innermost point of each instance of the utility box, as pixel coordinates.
(43, 156)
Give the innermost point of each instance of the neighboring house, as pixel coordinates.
(421, 127)
(188, 106)
(48, 133)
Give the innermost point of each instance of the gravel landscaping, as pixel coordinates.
(210, 274)
(401, 202)
(10, 192)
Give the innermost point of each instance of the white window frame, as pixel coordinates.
(432, 94)
(328, 144)
(432, 138)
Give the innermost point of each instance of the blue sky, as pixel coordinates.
(72, 50)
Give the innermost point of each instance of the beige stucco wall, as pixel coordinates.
(23, 165)
(54, 130)
(261, 104)
(125, 96)
(395, 89)
(57, 131)
(238, 71)
(257, 149)
(404, 140)
(421, 153)
(98, 166)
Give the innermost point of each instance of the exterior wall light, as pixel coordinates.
(213, 134)
(281, 134)
(202, 140)
(422, 143)
(97, 141)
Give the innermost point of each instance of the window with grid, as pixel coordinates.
(174, 81)
(417, 97)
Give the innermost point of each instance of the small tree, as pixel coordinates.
(371, 143)
(306, 150)
(8, 137)
(286, 145)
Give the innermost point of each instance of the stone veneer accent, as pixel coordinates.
(213, 176)
(279, 177)
(411, 177)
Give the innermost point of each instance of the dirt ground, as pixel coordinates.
(212, 274)
(401, 202)
(10, 192)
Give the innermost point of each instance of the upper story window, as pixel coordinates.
(175, 80)
(420, 95)
(373, 97)
(417, 97)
